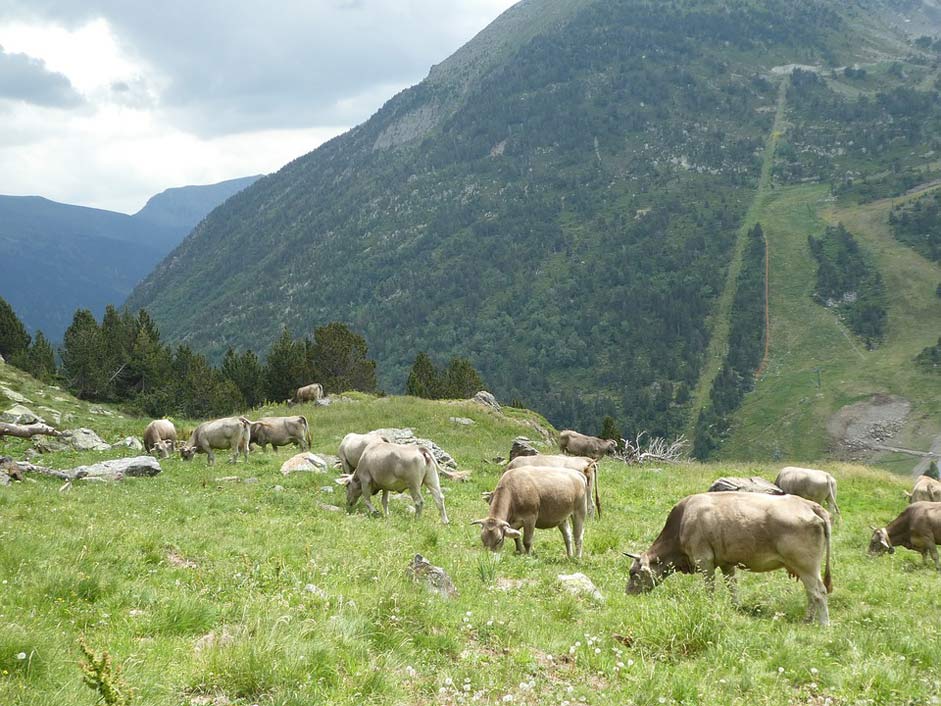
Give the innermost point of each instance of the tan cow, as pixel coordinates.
(575, 444)
(163, 449)
(754, 531)
(307, 393)
(352, 447)
(536, 497)
(809, 483)
(281, 431)
(394, 468)
(159, 430)
(918, 528)
(226, 433)
(926, 489)
(582, 464)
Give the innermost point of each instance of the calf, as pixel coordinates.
(918, 528)
(227, 433)
(536, 497)
(749, 530)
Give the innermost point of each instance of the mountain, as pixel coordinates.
(567, 202)
(59, 257)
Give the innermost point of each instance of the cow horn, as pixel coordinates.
(873, 528)
(632, 556)
(477, 522)
(344, 479)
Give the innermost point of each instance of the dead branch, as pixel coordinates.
(25, 431)
(459, 476)
(27, 467)
(654, 448)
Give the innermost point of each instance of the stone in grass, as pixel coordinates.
(18, 414)
(84, 440)
(118, 468)
(130, 442)
(580, 585)
(463, 421)
(306, 461)
(434, 577)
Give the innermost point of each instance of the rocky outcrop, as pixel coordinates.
(407, 436)
(487, 400)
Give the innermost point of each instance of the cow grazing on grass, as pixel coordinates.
(352, 447)
(157, 431)
(163, 449)
(227, 433)
(307, 393)
(809, 483)
(394, 468)
(583, 464)
(281, 431)
(749, 530)
(926, 489)
(918, 528)
(571, 442)
(536, 497)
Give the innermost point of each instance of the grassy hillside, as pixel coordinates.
(207, 591)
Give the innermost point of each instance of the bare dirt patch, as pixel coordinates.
(856, 429)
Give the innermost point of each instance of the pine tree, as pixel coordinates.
(13, 336)
(932, 471)
(340, 360)
(461, 380)
(247, 373)
(41, 359)
(609, 429)
(83, 357)
(286, 367)
(423, 379)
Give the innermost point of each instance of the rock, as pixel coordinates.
(4, 479)
(745, 485)
(14, 396)
(326, 489)
(54, 414)
(463, 421)
(522, 446)
(278, 489)
(488, 400)
(329, 508)
(18, 414)
(322, 402)
(407, 436)
(48, 445)
(118, 468)
(579, 584)
(84, 440)
(307, 462)
(101, 411)
(434, 577)
(130, 442)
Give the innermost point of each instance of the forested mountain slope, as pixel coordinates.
(558, 201)
(57, 257)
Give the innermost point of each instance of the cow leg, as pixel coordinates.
(528, 530)
(816, 598)
(367, 497)
(438, 497)
(567, 536)
(519, 545)
(729, 573)
(578, 529)
(385, 503)
(707, 568)
(210, 458)
(419, 500)
(933, 550)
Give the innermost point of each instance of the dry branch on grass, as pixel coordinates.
(653, 448)
(25, 431)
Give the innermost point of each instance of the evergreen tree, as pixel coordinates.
(83, 357)
(13, 336)
(41, 359)
(609, 429)
(423, 379)
(932, 471)
(340, 360)
(247, 373)
(461, 380)
(286, 367)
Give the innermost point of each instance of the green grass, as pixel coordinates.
(199, 589)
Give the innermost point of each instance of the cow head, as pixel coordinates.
(354, 488)
(880, 544)
(611, 447)
(646, 572)
(493, 532)
(187, 452)
(163, 449)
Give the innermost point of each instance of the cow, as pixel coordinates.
(809, 483)
(307, 393)
(749, 530)
(926, 489)
(352, 447)
(388, 467)
(575, 444)
(281, 431)
(159, 430)
(163, 449)
(583, 464)
(918, 528)
(227, 433)
(536, 497)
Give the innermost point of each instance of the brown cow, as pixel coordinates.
(926, 489)
(583, 464)
(352, 447)
(281, 431)
(918, 528)
(308, 393)
(534, 497)
(809, 483)
(575, 444)
(159, 430)
(749, 530)
(227, 433)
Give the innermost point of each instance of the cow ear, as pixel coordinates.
(477, 522)
(510, 532)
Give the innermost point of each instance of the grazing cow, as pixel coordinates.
(281, 431)
(394, 468)
(809, 483)
(536, 497)
(352, 447)
(583, 464)
(159, 430)
(749, 530)
(308, 393)
(918, 528)
(163, 449)
(926, 489)
(575, 444)
(227, 433)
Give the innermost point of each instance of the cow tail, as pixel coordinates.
(594, 472)
(246, 436)
(307, 436)
(431, 461)
(825, 516)
(831, 487)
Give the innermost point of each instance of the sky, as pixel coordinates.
(105, 103)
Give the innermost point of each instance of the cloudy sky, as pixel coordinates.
(107, 102)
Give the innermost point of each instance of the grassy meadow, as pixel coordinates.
(219, 592)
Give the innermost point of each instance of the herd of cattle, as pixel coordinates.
(703, 532)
